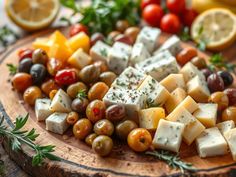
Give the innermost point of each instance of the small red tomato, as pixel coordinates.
(153, 14)
(66, 77)
(175, 6)
(25, 53)
(145, 3)
(170, 23)
(188, 16)
(77, 28)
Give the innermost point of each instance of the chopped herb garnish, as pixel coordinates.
(151, 103)
(103, 52)
(12, 69)
(82, 94)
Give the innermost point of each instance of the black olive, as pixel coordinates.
(227, 77)
(206, 72)
(215, 83)
(38, 73)
(25, 65)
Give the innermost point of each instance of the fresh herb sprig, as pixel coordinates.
(82, 94)
(7, 36)
(185, 34)
(12, 69)
(173, 161)
(17, 137)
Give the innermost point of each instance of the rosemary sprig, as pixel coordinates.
(12, 69)
(17, 137)
(173, 161)
(82, 94)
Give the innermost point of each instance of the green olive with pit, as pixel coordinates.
(89, 74)
(31, 94)
(229, 114)
(82, 128)
(102, 145)
(89, 139)
(124, 128)
(103, 127)
(75, 88)
(108, 77)
(40, 56)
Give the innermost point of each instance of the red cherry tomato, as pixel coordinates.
(170, 23)
(188, 16)
(66, 77)
(25, 53)
(145, 3)
(152, 14)
(175, 6)
(77, 28)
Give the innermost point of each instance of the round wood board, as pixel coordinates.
(78, 158)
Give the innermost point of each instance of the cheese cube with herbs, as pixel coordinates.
(225, 126)
(61, 102)
(57, 123)
(156, 94)
(172, 44)
(139, 53)
(230, 137)
(149, 37)
(99, 51)
(211, 143)
(168, 135)
(173, 81)
(149, 118)
(193, 128)
(198, 90)
(176, 97)
(130, 78)
(79, 59)
(118, 57)
(206, 114)
(42, 109)
(189, 104)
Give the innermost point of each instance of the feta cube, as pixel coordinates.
(61, 102)
(225, 126)
(230, 137)
(139, 53)
(173, 81)
(211, 143)
(118, 57)
(57, 123)
(206, 114)
(42, 109)
(149, 37)
(189, 104)
(79, 59)
(168, 135)
(99, 51)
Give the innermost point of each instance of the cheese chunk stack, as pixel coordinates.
(100, 51)
(230, 137)
(173, 81)
(139, 53)
(42, 109)
(189, 71)
(189, 104)
(79, 59)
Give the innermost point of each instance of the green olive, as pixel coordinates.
(124, 128)
(79, 105)
(40, 56)
(102, 145)
(89, 74)
(200, 63)
(73, 89)
(82, 128)
(122, 25)
(89, 139)
(103, 127)
(108, 77)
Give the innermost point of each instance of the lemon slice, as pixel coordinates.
(217, 27)
(32, 14)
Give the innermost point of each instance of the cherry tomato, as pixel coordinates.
(25, 53)
(170, 23)
(66, 77)
(21, 81)
(145, 3)
(77, 28)
(188, 16)
(186, 55)
(153, 14)
(175, 6)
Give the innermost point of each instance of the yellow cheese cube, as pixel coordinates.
(189, 104)
(42, 43)
(177, 96)
(193, 128)
(79, 59)
(149, 118)
(230, 137)
(81, 40)
(173, 81)
(57, 38)
(60, 52)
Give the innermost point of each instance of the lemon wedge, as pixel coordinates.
(32, 14)
(216, 27)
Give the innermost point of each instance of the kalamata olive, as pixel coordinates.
(102, 65)
(108, 77)
(231, 93)
(215, 83)
(38, 73)
(221, 99)
(54, 65)
(97, 91)
(89, 74)
(229, 114)
(66, 77)
(89, 139)
(79, 104)
(227, 77)
(186, 55)
(25, 65)
(40, 56)
(25, 53)
(124, 128)
(103, 127)
(75, 88)
(199, 62)
(96, 37)
(115, 113)
(124, 39)
(122, 25)
(95, 111)
(82, 128)
(132, 32)
(206, 72)
(113, 34)
(72, 118)
(102, 145)
(48, 86)
(21, 81)
(31, 94)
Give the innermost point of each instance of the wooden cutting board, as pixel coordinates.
(78, 158)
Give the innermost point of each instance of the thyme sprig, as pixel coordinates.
(12, 68)
(17, 137)
(82, 94)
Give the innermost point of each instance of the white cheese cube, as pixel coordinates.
(79, 59)
(56, 123)
(61, 102)
(172, 44)
(193, 128)
(168, 135)
(149, 37)
(130, 78)
(198, 90)
(99, 51)
(139, 53)
(225, 126)
(206, 114)
(173, 81)
(230, 137)
(211, 143)
(42, 109)
(156, 94)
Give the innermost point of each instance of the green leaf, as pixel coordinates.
(52, 157)
(12, 69)
(32, 135)
(70, 4)
(37, 160)
(185, 36)
(15, 144)
(82, 94)
(20, 122)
